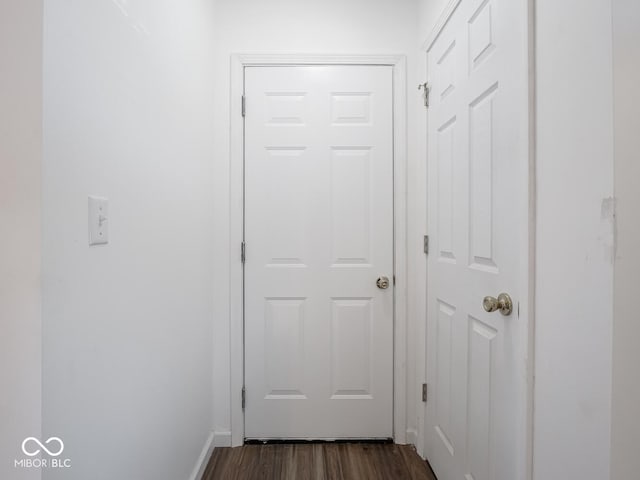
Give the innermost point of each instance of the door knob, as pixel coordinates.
(383, 283)
(502, 303)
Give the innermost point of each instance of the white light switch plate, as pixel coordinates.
(98, 221)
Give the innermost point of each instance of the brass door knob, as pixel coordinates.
(502, 303)
(382, 283)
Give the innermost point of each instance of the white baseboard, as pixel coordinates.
(412, 436)
(222, 439)
(204, 457)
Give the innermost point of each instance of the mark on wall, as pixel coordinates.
(609, 229)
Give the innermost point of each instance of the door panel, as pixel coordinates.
(318, 232)
(478, 220)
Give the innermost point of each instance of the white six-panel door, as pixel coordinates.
(478, 193)
(318, 233)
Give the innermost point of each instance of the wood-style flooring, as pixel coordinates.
(317, 461)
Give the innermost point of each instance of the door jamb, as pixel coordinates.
(238, 63)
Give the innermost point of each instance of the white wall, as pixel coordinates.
(290, 26)
(127, 327)
(575, 245)
(20, 218)
(429, 13)
(625, 461)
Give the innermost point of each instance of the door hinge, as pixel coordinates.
(244, 106)
(244, 397)
(424, 392)
(425, 94)
(243, 252)
(426, 244)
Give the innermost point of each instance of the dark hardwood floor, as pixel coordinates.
(318, 461)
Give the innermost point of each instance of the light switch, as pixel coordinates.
(98, 221)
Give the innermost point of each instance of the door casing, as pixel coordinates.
(398, 63)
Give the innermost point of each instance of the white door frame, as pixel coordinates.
(529, 236)
(238, 63)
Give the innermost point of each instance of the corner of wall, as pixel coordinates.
(20, 231)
